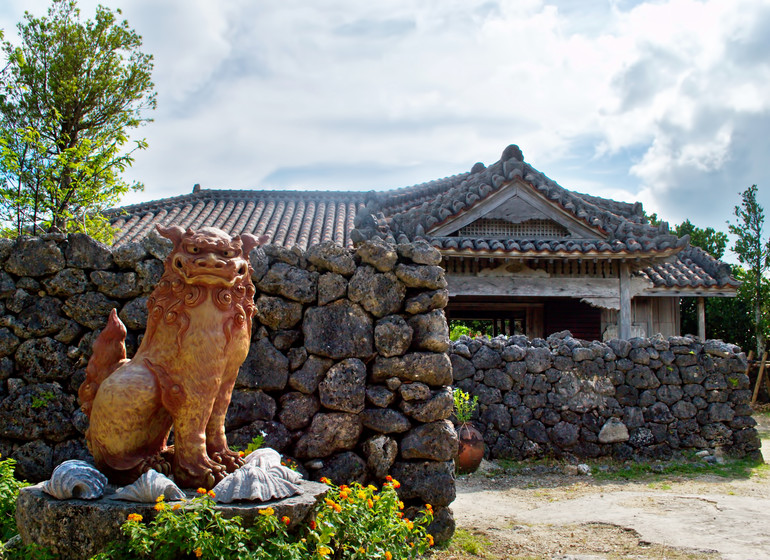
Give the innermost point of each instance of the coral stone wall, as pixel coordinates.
(638, 398)
(348, 371)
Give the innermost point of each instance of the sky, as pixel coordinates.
(666, 102)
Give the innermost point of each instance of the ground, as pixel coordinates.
(537, 511)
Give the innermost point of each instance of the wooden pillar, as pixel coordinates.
(624, 318)
(702, 318)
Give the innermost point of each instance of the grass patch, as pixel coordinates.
(467, 543)
(732, 468)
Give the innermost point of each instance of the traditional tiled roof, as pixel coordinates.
(303, 218)
(288, 218)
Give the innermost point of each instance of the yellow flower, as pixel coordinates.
(160, 506)
(429, 508)
(372, 487)
(344, 493)
(324, 551)
(201, 490)
(176, 507)
(134, 517)
(326, 481)
(430, 539)
(388, 555)
(337, 508)
(409, 525)
(400, 504)
(267, 512)
(160, 498)
(198, 552)
(396, 484)
(211, 494)
(361, 494)
(370, 504)
(362, 550)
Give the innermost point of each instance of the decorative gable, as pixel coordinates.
(517, 211)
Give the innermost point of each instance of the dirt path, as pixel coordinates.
(574, 517)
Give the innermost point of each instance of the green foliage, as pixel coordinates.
(464, 405)
(354, 522)
(710, 240)
(43, 399)
(469, 543)
(754, 252)
(71, 92)
(470, 328)
(357, 522)
(732, 468)
(9, 489)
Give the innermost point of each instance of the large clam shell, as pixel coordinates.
(149, 487)
(254, 484)
(75, 479)
(270, 460)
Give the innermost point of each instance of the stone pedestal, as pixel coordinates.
(78, 529)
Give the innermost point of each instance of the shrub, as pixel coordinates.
(9, 489)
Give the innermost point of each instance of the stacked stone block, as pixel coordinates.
(643, 399)
(348, 370)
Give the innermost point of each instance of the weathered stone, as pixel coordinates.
(436, 441)
(565, 434)
(297, 410)
(684, 410)
(535, 431)
(43, 359)
(116, 284)
(158, 246)
(581, 354)
(34, 461)
(90, 309)
(8, 342)
(486, 358)
(429, 481)
(284, 339)
(377, 253)
(338, 330)
(277, 253)
(688, 359)
(491, 395)
(134, 314)
(40, 411)
(640, 356)
(385, 420)
(392, 336)
(438, 407)
(513, 353)
(129, 255)
(85, 252)
(307, 378)
(264, 368)
(497, 417)
(275, 435)
(150, 273)
(431, 331)
(331, 287)
(290, 282)
(380, 396)
(328, 434)
(6, 246)
(720, 412)
(538, 359)
(427, 301)
(380, 452)
(31, 256)
(669, 394)
(420, 252)
(613, 431)
(344, 386)
(39, 319)
(428, 277)
(248, 406)
(432, 369)
(379, 293)
(67, 282)
(278, 313)
(641, 437)
(78, 529)
(642, 377)
(329, 256)
(499, 379)
(414, 391)
(461, 368)
(344, 468)
(7, 285)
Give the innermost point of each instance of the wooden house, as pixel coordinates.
(518, 249)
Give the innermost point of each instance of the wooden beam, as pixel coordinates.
(624, 318)
(702, 318)
(529, 286)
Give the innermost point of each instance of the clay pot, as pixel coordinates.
(471, 449)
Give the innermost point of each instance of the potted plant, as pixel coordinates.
(471, 448)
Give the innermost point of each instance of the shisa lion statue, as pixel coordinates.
(197, 337)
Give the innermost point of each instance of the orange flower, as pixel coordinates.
(267, 512)
(134, 517)
(344, 493)
(286, 520)
(312, 524)
(409, 525)
(389, 478)
(329, 502)
(160, 506)
(211, 494)
(325, 480)
(400, 504)
(429, 508)
(361, 494)
(370, 503)
(430, 539)
(176, 507)
(198, 552)
(399, 514)
(388, 555)
(201, 490)
(241, 454)
(337, 508)
(396, 484)
(160, 498)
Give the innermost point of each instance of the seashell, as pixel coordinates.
(254, 483)
(149, 487)
(75, 479)
(270, 460)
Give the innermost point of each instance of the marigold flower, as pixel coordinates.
(134, 517)
(337, 508)
(389, 478)
(176, 507)
(211, 494)
(198, 552)
(399, 514)
(160, 506)
(388, 555)
(400, 504)
(372, 488)
(396, 484)
(329, 502)
(201, 490)
(430, 539)
(160, 498)
(324, 551)
(344, 487)
(241, 454)
(345, 493)
(361, 494)
(409, 525)
(429, 508)
(325, 481)
(286, 519)
(267, 512)
(370, 503)
(362, 550)
(312, 524)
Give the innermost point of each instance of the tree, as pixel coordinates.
(754, 252)
(71, 93)
(710, 240)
